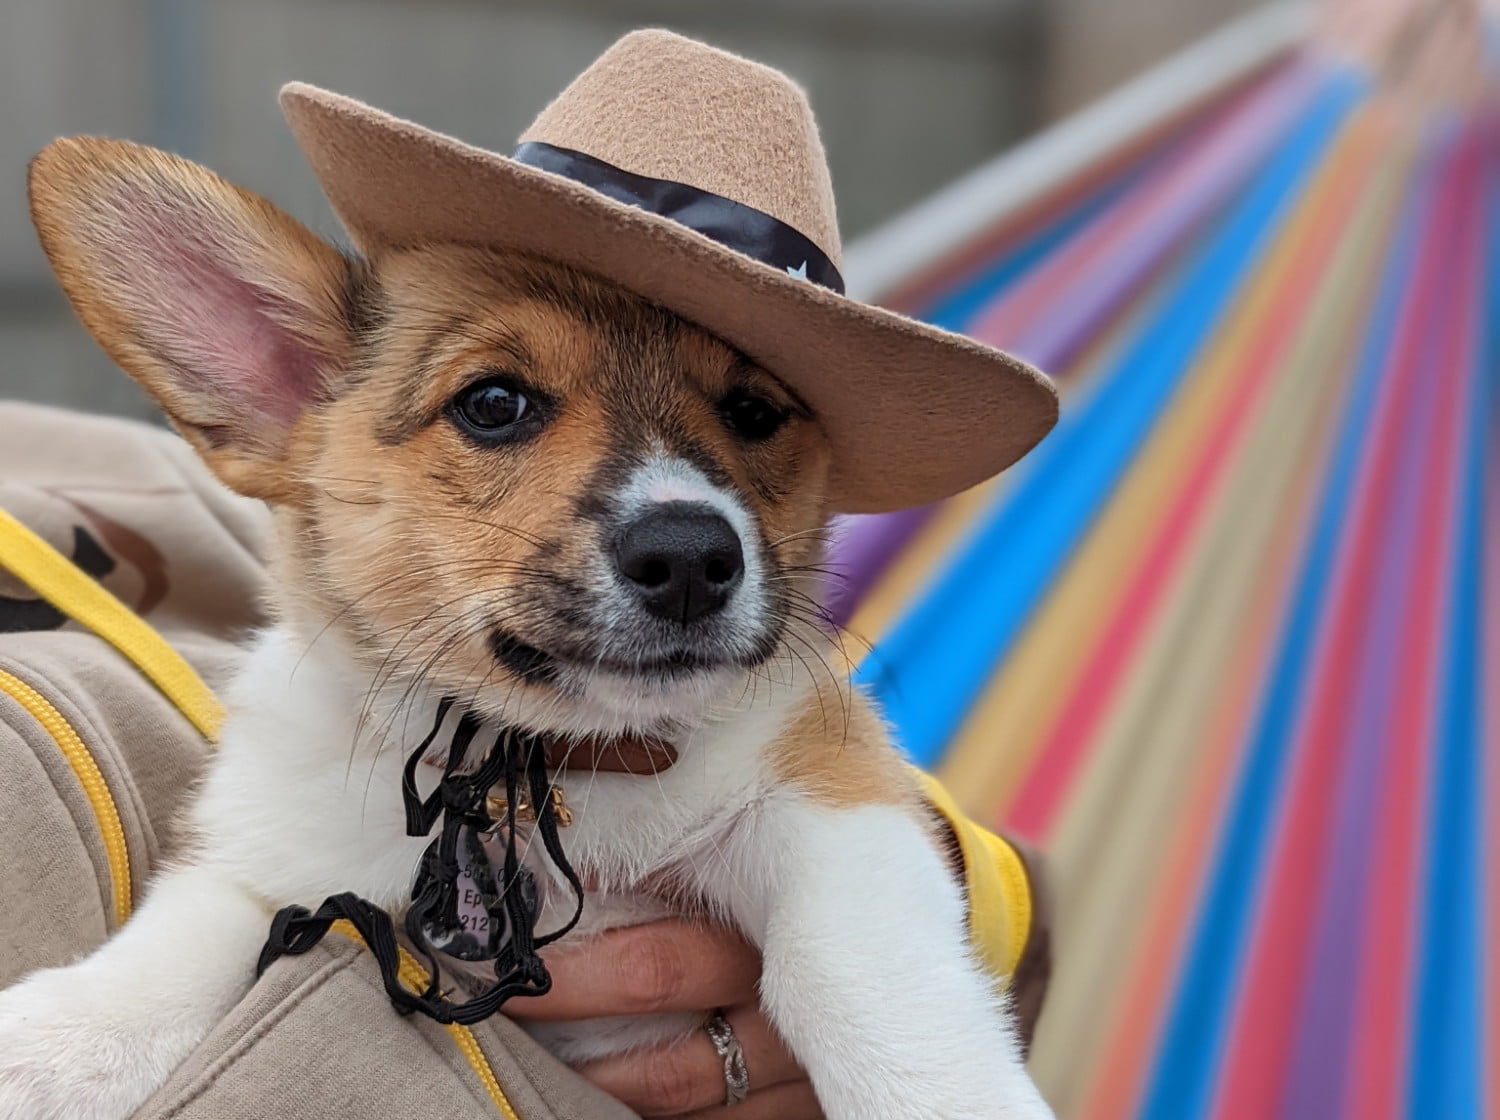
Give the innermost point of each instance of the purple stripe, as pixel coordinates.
(1204, 178)
(862, 548)
(1318, 1074)
(1238, 141)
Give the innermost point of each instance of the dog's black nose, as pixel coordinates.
(683, 559)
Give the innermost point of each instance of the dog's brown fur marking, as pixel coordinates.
(837, 749)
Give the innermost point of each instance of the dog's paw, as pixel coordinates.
(926, 1102)
(66, 1054)
(987, 1092)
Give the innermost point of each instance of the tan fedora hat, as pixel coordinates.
(696, 179)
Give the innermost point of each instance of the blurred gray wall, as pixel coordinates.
(1094, 45)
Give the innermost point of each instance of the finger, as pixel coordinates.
(794, 1100)
(689, 1074)
(640, 970)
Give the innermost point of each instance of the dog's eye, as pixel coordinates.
(751, 416)
(491, 406)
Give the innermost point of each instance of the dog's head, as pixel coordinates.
(496, 477)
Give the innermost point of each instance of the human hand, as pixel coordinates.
(676, 966)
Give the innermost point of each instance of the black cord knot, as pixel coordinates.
(508, 896)
(464, 800)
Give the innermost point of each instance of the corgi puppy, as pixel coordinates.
(502, 481)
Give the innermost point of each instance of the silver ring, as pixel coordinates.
(736, 1076)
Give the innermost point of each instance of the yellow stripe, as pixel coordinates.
(414, 976)
(999, 892)
(71, 590)
(1029, 690)
(94, 786)
(893, 592)
(1165, 728)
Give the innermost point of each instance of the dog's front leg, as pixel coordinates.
(93, 1040)
(868, 975)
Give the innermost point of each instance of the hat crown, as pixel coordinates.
(663, 106)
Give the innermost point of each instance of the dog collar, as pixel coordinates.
(615, 754)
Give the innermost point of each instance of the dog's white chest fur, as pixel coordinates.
(308, 737)
(303, 801)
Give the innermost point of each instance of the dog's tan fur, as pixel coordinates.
(410, 514)
(838, 751)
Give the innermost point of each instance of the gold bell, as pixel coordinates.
(498, 806)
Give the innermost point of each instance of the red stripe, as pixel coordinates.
(1152, 962)
(1385, 992)
(1260, 1042)
(1133, 240)
(1041, 795)
(980, 252)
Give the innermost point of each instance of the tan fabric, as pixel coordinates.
(56, 888)
(317, 1038)
(914, 413)
(134, 507)
(183, 552)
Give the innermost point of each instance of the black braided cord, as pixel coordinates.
(517, 758)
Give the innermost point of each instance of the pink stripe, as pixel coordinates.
(1053, 313)
(1254, 1074)
(1038, 801)
(1040, 798)
(969, 260)
(1376, 1081)
(871, 543)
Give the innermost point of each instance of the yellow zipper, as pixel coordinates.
(89, 777)
(84, 599)
(112, 829)
(414, 976)
(78, 595)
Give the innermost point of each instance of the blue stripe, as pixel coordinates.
(956, 311)
(1193, 1041)
(1447, 1071)
(1362, 752)
(934, 662)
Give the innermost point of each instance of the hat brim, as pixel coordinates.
(913, 413)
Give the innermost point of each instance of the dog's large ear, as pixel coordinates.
(232, 315)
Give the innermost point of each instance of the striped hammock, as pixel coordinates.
(1227, 645)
